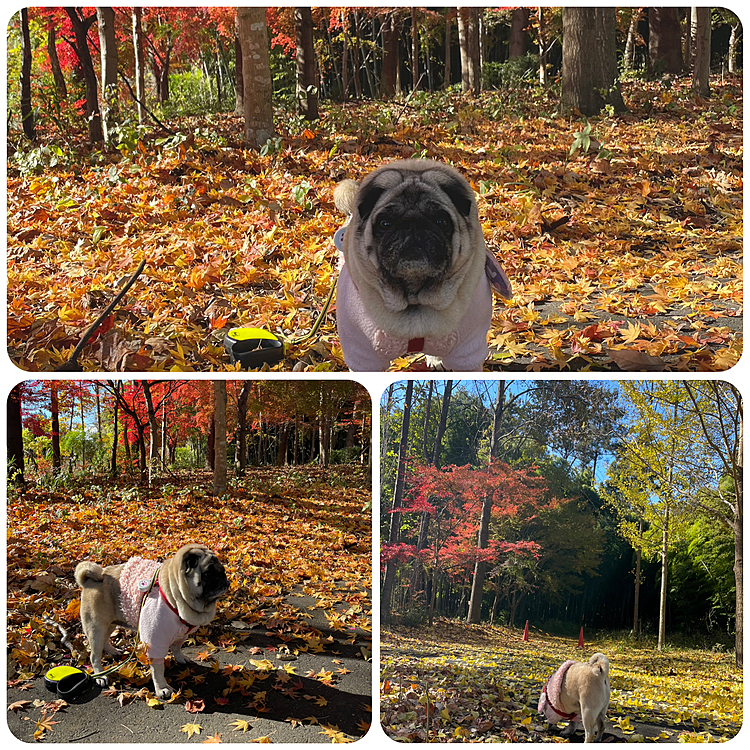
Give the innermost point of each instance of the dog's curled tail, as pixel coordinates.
(343, 196)
(88, 571)
(600, 664)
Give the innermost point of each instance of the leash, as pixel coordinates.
(69, 682)
(253, 347)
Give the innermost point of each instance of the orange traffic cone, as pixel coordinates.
(580, 638)
(526, 632)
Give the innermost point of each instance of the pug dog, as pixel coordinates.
(180, 595)
(579, 692)
(416, 274)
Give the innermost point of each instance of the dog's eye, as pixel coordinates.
(442, 221)
(384, 223)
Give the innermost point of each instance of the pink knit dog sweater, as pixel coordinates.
(549, 701)
(158, 624)
(369, 348)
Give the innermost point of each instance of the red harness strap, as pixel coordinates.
(555, 708)
(169, 604)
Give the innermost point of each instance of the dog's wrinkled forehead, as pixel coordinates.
(410, 184)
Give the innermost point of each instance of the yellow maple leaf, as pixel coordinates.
(191, 729)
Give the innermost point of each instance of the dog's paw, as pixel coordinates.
(164, 693)
(102, 681)
(183, 661)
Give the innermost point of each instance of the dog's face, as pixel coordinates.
(417, 233)
(203, 578)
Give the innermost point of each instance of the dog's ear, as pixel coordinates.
(367, 197)
(460, 195)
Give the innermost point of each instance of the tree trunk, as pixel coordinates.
(480, 567)
(733, 47)
(81, 25)
(394, 530)
(628, 58)
(61, 89)
(519, 38)
(307, 79)
(542, 46)
(153, 429)
(663, 589)
(108, 46)
(240, 457)
(637, 593)
(27, 114)
(256, 75)
(664, 41)
(220, 437)
(414, 48)
(15, 438)
(140, 68)
(738, 544)
(239, 107)
(447, 75)
(389, 72)
(589, 65)
(115, 419)
(468, 39)
(55, 415)
(701, 24)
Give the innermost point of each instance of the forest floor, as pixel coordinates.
(623, 241)
(482, 684)
(296, 545)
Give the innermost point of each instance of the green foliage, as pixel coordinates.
(513, 73)
(190, 93)
(582, 140)
(31, 159)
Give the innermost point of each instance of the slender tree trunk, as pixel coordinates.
(663, 589)
(701, 24)
(115, 418)
(480, 567)
(389, 73)
(414, 47)
(27, 114)
(448, 33)
(345, 56)
(61, 89)
(108, 47)
(220, 437)
(394, 531)
(256, 74)
(140, 67)
(239, 106)
(628, 58)
(81, 25)
(733, 47)
(153, 428)
(738, 544)
(240, 458)
(542, 47)
(307, 79)
(637, 593)
(55, 415)
(15, 459)
(356, 57)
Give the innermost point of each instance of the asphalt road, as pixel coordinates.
(301, 711)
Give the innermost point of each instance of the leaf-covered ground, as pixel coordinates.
(458, 683)
(623, 256)
(288, 657)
